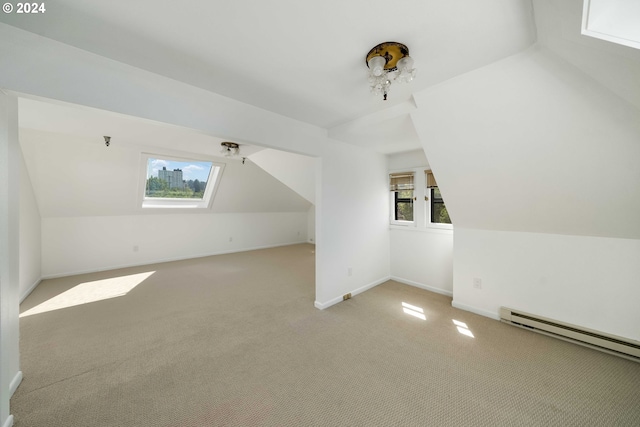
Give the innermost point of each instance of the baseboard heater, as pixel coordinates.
(612, 344)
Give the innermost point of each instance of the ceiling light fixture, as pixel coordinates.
(230, 149)
(389, 62)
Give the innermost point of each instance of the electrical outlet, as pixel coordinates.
(136, 248)
(349, 271)
(477, 283)
(231, 239)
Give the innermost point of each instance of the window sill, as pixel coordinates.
(402, 224)
(174, 204)
(435, 230)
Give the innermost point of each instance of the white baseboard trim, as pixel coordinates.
(31, 288)
(422, 286)
(333, 301)
(481, 312)
(8, 422)
(13, 386)
(158, 261)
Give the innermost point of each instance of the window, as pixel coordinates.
(437, 210)
(171, 182)
(401, 186)
(615, 21)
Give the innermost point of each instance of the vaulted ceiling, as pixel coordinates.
(303, 60)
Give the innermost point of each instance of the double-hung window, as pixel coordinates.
(437, 210)
(402, 187)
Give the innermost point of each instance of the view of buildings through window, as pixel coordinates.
(176, 179)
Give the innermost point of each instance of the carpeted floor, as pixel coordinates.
(234, 340)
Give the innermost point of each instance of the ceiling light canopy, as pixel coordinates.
(230, 149)
(388, 62)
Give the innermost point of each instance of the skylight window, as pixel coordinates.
(613, 20)
(171, 182)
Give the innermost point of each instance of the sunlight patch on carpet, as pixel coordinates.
(414, 311)
(90, 292)
(463, 328)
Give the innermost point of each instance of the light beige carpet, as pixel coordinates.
(234, 340)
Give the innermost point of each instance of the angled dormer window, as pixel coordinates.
(171, 182)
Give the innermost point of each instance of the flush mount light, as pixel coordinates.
(389, 62)
(230, 149)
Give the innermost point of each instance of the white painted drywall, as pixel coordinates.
(407, 160)
(532, 144)
(352, 220)
(73, 245)
(9, 252)
(538, 166)
(423, 259)
(586, 281)
(420, 256)
(92, 220)
(30, 235)
(311, 224)
(296, 171)
(78, 176)
(614, 66)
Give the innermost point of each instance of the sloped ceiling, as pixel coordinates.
(75, 176)
(546, 141)
(304, 60)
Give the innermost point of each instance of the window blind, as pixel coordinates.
(401, 181)
(431, 180)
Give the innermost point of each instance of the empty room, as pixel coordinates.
(319, 213)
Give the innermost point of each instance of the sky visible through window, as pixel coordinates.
(190, 169)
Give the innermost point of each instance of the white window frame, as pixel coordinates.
(392, 213)
(392, 206)
(213, 181)
(612, 20)
(421, 210)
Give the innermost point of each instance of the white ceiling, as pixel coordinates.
(302, 59)
(125, 131)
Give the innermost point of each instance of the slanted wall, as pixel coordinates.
(530, 145)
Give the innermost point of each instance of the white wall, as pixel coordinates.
(616, 67)
(351, 219)
(532, 145)
(296, 171)
(30, 235)
(10, 374)
(423, 259)
(587, 281)
(311, 224)
(78, 176)
(91, 216)
(72, 245)
(420, 256)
